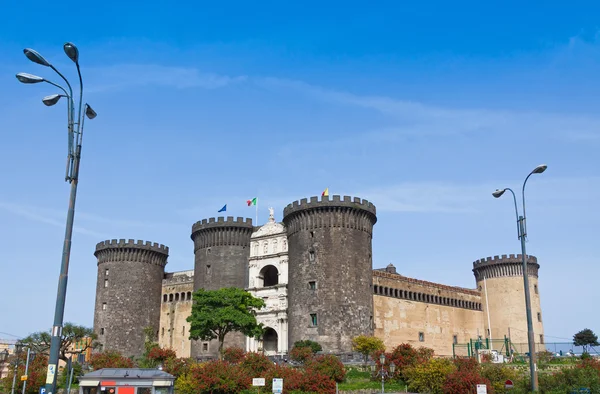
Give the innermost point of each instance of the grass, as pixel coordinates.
(359, 380)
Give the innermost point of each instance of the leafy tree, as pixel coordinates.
(314, 346)
(71, 334)
(367, 345)
(215, 313)
(110, 359)
(36, 375)
(585, 338)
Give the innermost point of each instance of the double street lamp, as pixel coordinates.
(522, 235)
(75, 136)
(382, 372)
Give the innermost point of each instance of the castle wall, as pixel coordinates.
(330, 270)
(424, 313)
(506, 299)
(177, 290)
(221, 251)
(128, 292)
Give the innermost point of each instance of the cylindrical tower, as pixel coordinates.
(221, 252)
(128, 293)
(500, 281)
(330, 270)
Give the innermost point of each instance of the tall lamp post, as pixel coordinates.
(522, 235)
(18, 348)
(75, 136)
(382, 372)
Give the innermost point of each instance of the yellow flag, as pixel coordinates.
(325, 192)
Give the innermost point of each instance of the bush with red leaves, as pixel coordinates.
(328, 365)
(465, 382)
(256, 364)
(234, 355)
(161, 355)
(217, 377)
(110, 359)
(301, 354)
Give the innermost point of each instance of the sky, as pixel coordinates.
(423, 108)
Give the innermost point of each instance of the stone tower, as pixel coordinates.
(128, 293)
(330, 293)
(501, 278)
(221, 251)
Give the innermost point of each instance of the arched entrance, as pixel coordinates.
(270, 341)
(269, 276)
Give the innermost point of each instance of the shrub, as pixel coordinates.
(329, 366)
(36, 375)
(316, 382)
(292, 379)
(177, 366)
(301, 354)
(234, 355)
(110, 359)
(214, 377)
(314, 346)
(256, 364)
(569, 380)
(466, 364)
(465, 381)
(161, 355)
(404, 356)
(498, 374)
(429, 377)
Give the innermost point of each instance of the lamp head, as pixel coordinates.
(539, 169)
(72, 51)
(498, 193)
(382, 358)
(18, 347)
(29, 78)
(89, 112)
(35, 57)
(52, 99)
(4, 356)
(392, 367)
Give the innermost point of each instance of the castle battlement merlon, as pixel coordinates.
(407, 280)
(179, 277)
(222, 232)
(326, 201)
(504, 266)
(121, 250)
(222, 222)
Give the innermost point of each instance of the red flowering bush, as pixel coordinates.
(404, 356)
(467, 364)
(590, 363)
(36, 375)
(316, 382)
(161, 355)
(214, 377)
(110, 359)
(327, 365)
(465, 381)
(256, 364)
(301, 354)
(292, 378)
(234, 354)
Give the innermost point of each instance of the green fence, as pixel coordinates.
(515, 350)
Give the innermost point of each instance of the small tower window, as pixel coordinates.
(535, 289)
(455, 339)
(313, 319)
(208, 270)
(162, 332)
(102, 331)
(541, 338)
(539, 316)
(105, 282)
(164, 298)
(421, 337)
(170, 297)
(205, 347)
(311, 255)
(104, 306)
(312, 285)
(312, 234)
(106, 272)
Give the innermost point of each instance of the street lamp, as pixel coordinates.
(18, 348)
(75, 137)
(382, 372)
(522, 235)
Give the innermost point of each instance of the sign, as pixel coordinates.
(481, 389)
(50, 374)
(42, 390)
(23, 377)
(277, 385)
(258, 381)
(508, 384)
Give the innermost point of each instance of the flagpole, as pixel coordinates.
(256, 211)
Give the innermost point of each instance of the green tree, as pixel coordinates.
(585, 338)
(216, 313)
(71, 334)
(367, 345)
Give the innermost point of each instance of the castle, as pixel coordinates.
(315, 273)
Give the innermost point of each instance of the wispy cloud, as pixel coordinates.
(121, 76)
(45, 216)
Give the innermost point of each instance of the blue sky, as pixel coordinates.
(422, 108)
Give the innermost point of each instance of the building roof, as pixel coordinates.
(128, 373)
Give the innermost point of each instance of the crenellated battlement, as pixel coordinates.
(326, 201)
(222, 231)
(504, 266)
(131, 250)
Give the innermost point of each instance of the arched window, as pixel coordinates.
(269, 276)
(170, 297)
(189, 295)
(164, 298)
(176, 297)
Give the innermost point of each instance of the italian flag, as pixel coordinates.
(251, 202)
